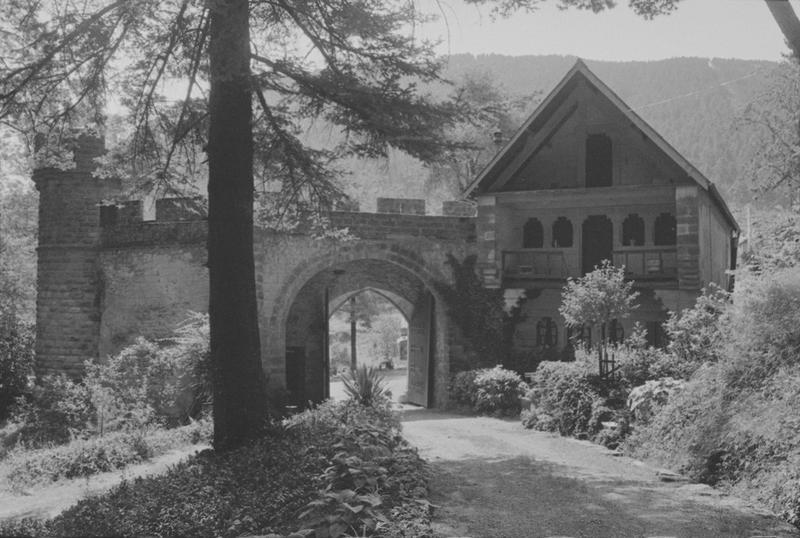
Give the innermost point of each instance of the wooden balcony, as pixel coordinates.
(643, 264)
(648, 263)
(535, 264)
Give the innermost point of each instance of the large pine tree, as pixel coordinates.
(355, 65)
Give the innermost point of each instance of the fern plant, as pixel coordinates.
(366, 385)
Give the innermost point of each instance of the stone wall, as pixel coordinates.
(107, 276)
(69, 282)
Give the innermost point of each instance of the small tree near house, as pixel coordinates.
(596, 299)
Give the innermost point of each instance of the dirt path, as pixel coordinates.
(495, 479)
(49, 501)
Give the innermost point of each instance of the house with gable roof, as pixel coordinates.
(585, 179)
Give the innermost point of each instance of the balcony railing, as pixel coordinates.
(642, 263)
(535, 263)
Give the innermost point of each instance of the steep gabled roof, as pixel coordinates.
(550, 105)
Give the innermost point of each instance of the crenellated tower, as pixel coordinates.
(69, 288)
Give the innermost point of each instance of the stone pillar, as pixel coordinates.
(488, 262)
(68, 279)
(687, 200)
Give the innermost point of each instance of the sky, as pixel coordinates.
(702, 28)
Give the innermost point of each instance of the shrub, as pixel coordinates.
(16, 361)
(366, 385)
(85, 457)
(562, 399)
(492, 391)
(462, 389)
(147, 382)
(637, 365)
(645, 400)
(498, 391)
(54, 411)
(695, 333)
(764, 332)
(263, 487)
(735, 422)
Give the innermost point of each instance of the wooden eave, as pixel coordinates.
(486, 180)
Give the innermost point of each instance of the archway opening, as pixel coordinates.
(368, 329)
(311, 342)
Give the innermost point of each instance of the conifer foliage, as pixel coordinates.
(249, 74)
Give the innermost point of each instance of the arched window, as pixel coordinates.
(665, 230)
(599, 161)
(532, 234)
(656, 337)
(633, 231)
(562, 233)
(546, 332)
(580, 335)
(616, 334)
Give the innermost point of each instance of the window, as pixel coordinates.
(665, 232)
(546, 333)
(599, 161)
(533, 234)
(562, 233)
(656, 337)
(580, 335)
(633, 231)
(616, 334)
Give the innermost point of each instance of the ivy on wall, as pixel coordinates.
(480, 314)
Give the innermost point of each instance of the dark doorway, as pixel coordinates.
(532, 234)
(665, 230)
(296, 375)
(562, 233)
(633, 231)
(598, 242)
(599, 161)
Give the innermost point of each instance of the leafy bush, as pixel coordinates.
(327, 461)
(492, 391)
(85, 457)
(16, 360)
(143, 384)
(166, 381)
(366, 385)
(462, 389)
(54, 411)
(562, 397)
(695, 333)
(735, 423)
(498, 391)
(645, 400)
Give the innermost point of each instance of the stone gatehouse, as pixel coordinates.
(106, 276)
(584, 179)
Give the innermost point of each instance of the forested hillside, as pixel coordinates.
(697, 104)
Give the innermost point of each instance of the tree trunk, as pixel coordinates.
(240, 404)
(353, 333)
(787, 20)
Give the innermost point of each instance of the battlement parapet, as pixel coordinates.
(154, 233)
(178, 221)
(459, 208)
(393, 226)
(181, 208)
(404, 206)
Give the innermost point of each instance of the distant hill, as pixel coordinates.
(695, 103)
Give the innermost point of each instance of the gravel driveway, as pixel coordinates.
(493, 478)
